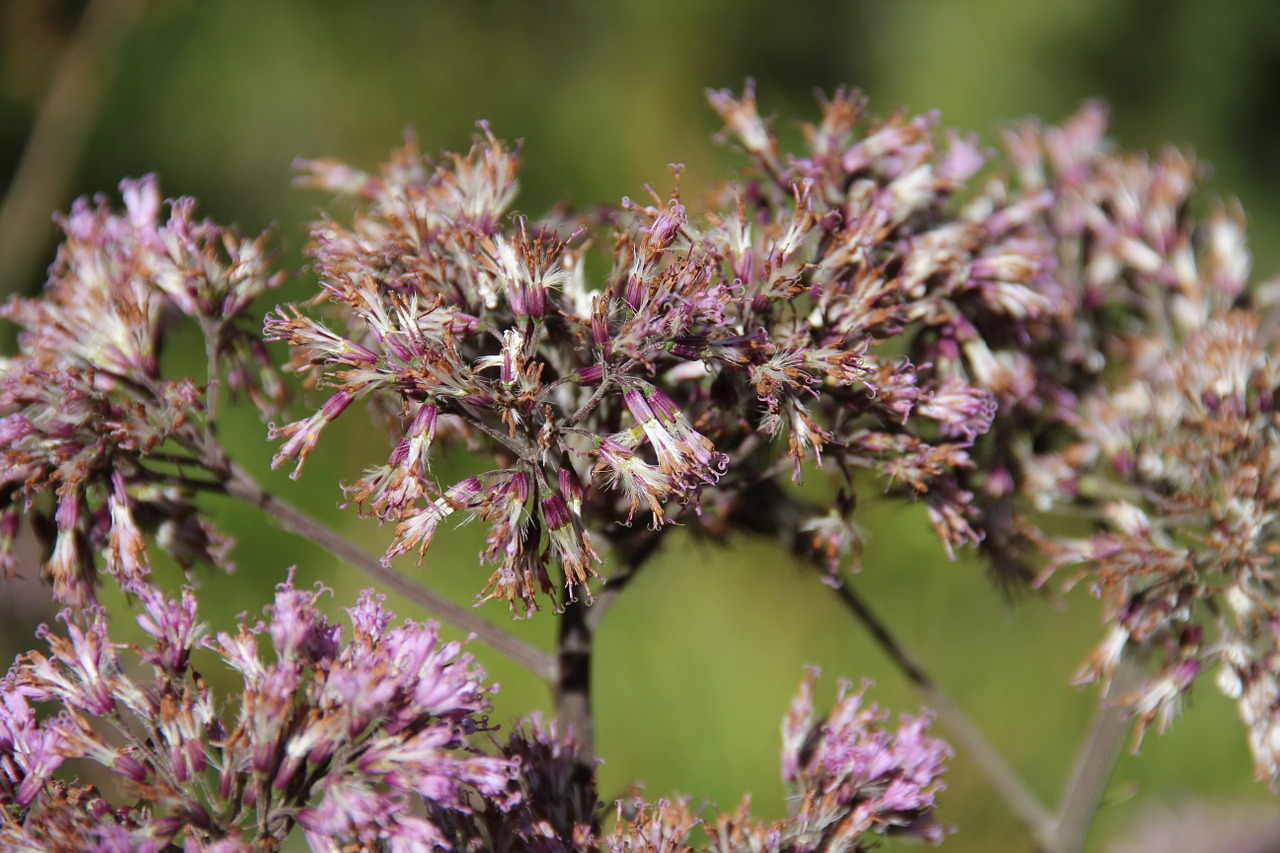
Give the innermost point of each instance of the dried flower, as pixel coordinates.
(788, 318)
(1172, 449)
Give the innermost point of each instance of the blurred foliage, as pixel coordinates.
(697, 664)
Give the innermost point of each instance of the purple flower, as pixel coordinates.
(171, 623)
(29, 752)
(302, 435)
(685, 457)
(346, 737)
(84, 672)
(638, 480)
(83, 405)
(570, 541)
(298, 629)
(960, 409)
(852, 776)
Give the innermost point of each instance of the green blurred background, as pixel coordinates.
(698, 662)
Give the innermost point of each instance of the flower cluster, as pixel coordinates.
(373, 742)
(999, 336)
(851, 776)
(558, 810)
(87, 417)
(850, 780)
(1164, 427)
(835, 303)
(337, 738)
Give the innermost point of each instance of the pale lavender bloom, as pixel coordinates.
(963, 157)
(960, 409)
(171, 623)
(84, 672)
(76, 738)
(83, 405)
(298, 629)
(852, 776)
(351, 808)
(744, 122)
(419, 526)
(348, 765)
(29, 753)
(302, 435)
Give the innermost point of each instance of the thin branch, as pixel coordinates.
(212, 343)
(1021, 799)
(521, 451)
(1094, 765)
(605, 386)
(242, 486)
(177, 459)
(61, 130)
(181, 481)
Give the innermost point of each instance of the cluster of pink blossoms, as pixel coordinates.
(779, 315)
(999, 336)
(328, 736)
(373, 743)
(97, 442)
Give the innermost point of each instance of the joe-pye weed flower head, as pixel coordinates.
(781, 313)
(995, 335)
(95, 436)
(330, 735)
(1170, 440)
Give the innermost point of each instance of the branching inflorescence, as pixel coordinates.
(998, 335)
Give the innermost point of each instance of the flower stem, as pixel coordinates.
(574, 646)
(1094, 765)
(212, 330)
(242, 486)
(573, 686)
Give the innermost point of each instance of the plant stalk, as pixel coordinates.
(574, 647)
(1094, 765)
(572, 692)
